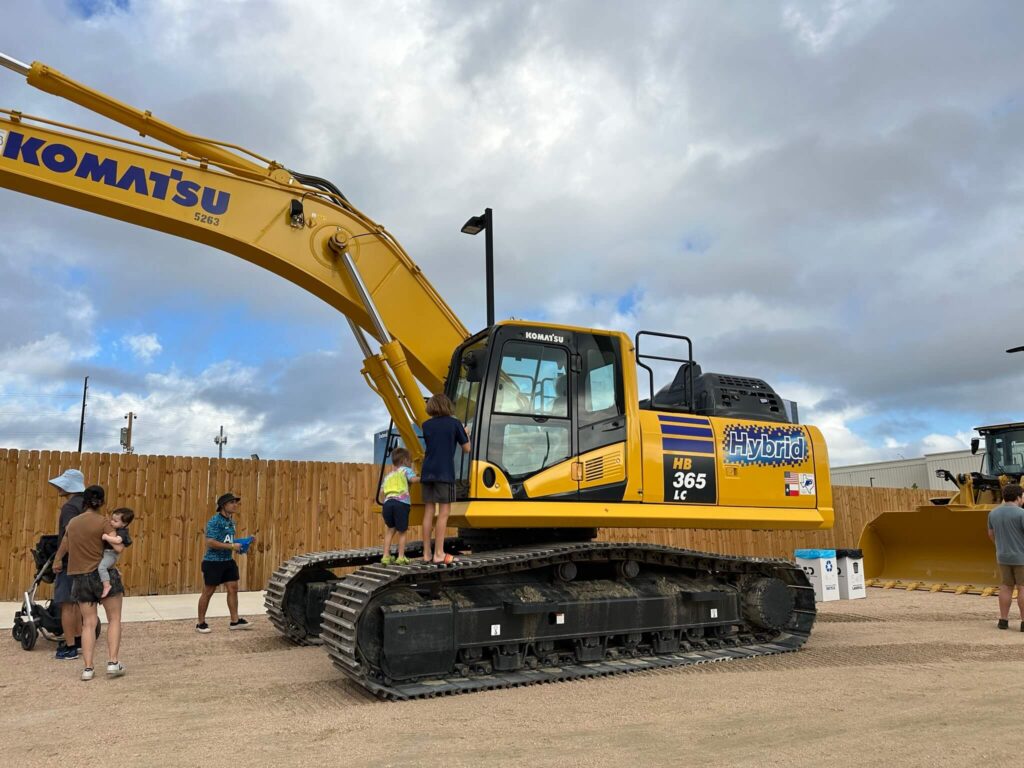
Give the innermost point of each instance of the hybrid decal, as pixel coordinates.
(765, 446)
(60, 158)
(690, 479)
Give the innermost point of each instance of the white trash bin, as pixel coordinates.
(850, 567)
(822, 571)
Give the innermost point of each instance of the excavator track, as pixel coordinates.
(298, 588)
(401, 605)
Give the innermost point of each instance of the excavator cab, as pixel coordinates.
(944, 544)
(533, 399)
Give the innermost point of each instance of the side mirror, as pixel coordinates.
(975, 442)
(473, 365)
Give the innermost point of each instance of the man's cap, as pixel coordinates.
(227, 498)
(72, 481)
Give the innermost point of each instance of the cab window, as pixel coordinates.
(530, 426)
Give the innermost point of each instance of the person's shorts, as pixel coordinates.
(87, 587)
(217, 572)
(1011, 575)
(396, 515)
(438, 493)
(62, 587)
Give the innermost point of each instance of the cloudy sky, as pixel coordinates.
(826, 195)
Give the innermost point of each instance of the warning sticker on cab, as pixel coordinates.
(690, 479)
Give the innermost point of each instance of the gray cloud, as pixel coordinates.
(850, 173)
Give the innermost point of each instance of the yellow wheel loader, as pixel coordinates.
(944, 545)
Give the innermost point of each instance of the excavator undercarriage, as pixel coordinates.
(537, 613)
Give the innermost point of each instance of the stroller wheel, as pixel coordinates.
(16, 632)
(29, 633)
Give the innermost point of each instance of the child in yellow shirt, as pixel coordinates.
(397, 504)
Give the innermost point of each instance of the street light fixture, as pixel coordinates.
(475, 226)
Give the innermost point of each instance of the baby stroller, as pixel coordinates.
(33, 619)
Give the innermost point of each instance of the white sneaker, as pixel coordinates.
(115, 669)
(87, 673)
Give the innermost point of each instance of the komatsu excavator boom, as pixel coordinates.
(564, 440)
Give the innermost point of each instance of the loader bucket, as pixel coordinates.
(937, 545)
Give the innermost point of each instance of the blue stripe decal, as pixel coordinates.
(687, 446)
(672, 429)
(684, 419)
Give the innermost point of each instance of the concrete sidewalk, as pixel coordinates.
(164, 607)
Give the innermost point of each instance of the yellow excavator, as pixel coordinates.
(566, 439)
(944, 545)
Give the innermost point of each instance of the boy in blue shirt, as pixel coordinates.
(396, 504)
(219, 565)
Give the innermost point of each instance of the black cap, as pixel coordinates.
(227, 498)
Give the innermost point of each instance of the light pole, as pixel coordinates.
(474, 226)
(220, 440)
(81, 422)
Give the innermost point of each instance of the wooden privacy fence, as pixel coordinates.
(292, 507)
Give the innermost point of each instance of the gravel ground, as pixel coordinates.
(896, 679)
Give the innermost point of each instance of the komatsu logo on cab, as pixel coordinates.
(60, 158)
(552, 337)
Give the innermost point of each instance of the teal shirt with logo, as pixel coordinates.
(222, 529)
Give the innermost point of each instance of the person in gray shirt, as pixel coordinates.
(1006, 529)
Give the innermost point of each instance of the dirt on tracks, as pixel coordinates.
(897, 679)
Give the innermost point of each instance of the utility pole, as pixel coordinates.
(220, 440)
(126, 433)
(81, 423)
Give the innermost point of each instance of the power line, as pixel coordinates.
(34, 414)
(33, 394)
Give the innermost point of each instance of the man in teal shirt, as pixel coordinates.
(219, 566)
(1006, 529)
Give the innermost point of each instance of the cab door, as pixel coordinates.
(599, 406)
(530, 433)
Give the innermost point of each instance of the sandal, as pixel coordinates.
(448, 560)
(402, 561)
(387, 560)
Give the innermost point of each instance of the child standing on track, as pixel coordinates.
(114, 544)
(442, 432)
(396, 504)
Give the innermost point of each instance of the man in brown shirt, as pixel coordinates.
(83, 543)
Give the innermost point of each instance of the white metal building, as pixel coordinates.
(907, 473)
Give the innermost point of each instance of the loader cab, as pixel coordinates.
(1004, 449)
(533, 398)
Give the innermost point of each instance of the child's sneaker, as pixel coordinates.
(87, 673)
(203, 628)
(240, 624)
(387, 560)
(66, 652)
(115, 669)
(1003, 624)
